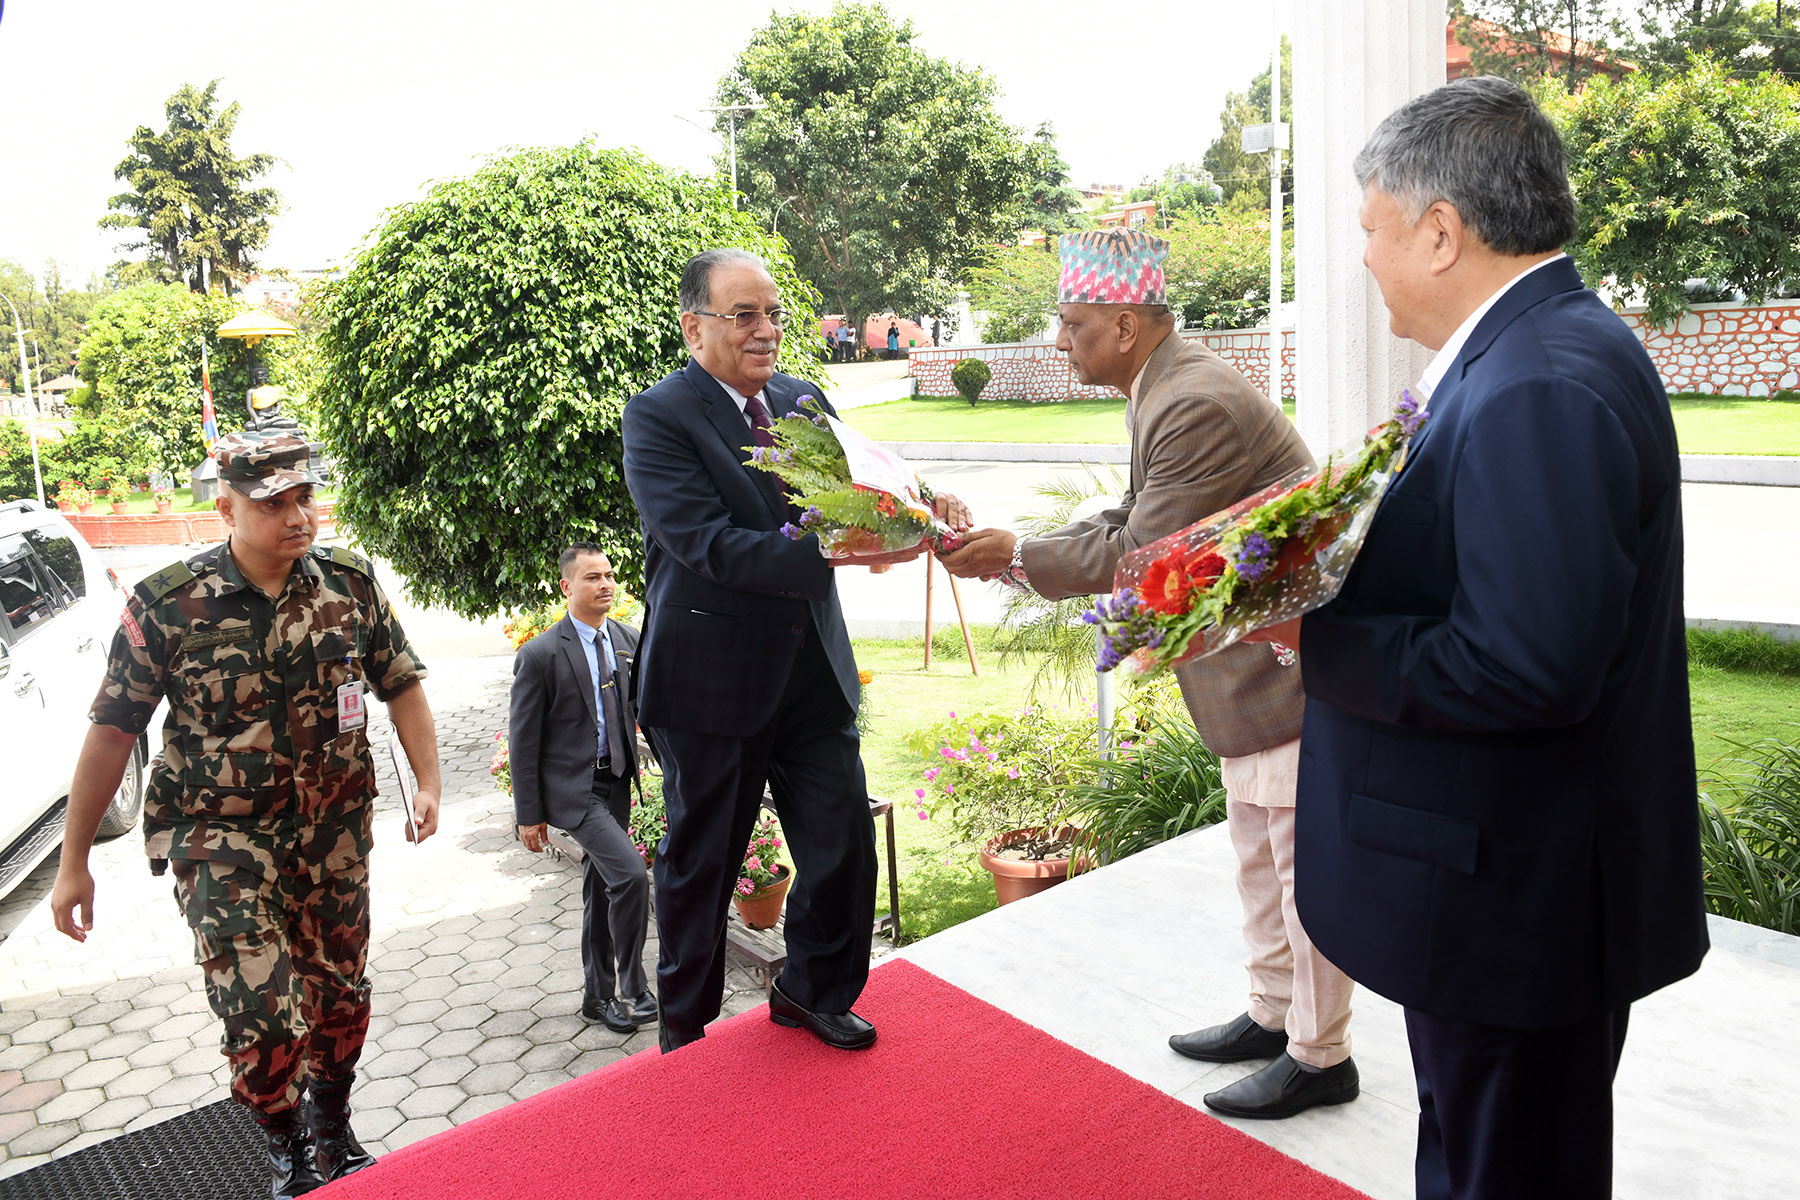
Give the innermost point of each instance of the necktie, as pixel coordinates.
(759, 421)
(612, 709)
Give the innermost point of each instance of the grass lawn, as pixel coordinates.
(144, 502)
(1744, 688)
(1703, 424)
(1735, 425)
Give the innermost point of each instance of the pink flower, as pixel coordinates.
(1125, 745)
(923, 815)
(993, 756)
(931, 774)
(778, 843)
(953, 716)
(753, 862)
(1012, 772)
(745, 887)
(919, 792)
(949, 789)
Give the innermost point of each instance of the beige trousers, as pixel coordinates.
(1292, 986)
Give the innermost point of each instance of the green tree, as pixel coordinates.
(55, 317)
(896, 167)
(1241, 174)
(142, 359)
(191, 198)
(1690, 177)
(1047, 203)
(1185, 192)
(1663, 35)
(1525, 40)
(1218, 270)
(1014, 290)
(480, 351)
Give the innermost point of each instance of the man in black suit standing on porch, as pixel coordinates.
(746, 674)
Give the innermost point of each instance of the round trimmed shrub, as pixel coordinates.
(968, 377)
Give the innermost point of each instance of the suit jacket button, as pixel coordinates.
(795, 629)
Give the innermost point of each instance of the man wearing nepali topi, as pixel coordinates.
(1202, 438)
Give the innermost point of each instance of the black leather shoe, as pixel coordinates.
(845, 1031)
(642, 1008)
(615, 1014)
(291, 1168)
(1283, 1089)
(335, 1148)
(1234, 1041)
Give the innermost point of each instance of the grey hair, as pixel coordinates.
(1483, 145)
(696, 278)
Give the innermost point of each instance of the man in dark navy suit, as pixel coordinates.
(1496, 810)
(745, 670)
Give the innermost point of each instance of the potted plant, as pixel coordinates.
(77, 494)
(66, 492)
(1003, 784)
(762, 884)
(118, 493)
(163, 494)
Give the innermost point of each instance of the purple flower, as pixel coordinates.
(812, 516)
(1410, 413)
(792, 531)
(1254, 557)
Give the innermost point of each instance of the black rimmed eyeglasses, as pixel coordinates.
(749, 318)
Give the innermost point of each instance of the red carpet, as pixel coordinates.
(956, 1099)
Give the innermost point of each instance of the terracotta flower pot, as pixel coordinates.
(64, 506)
(163, 506)
(118, 508)
(86, 508)
(762, 908)
(1015, 879)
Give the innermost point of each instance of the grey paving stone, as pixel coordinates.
(486, 971)
(556, 1030)
(70, 1105)
(199, 1060)
(415, 1130)
(157, 1053)
(114, 1113)
(516, 999)
(121, 1045)
(392, 1063)
(54, 1066)
(448, 1069)
(80, 1038)
(431, 1102)
(409, 1037)
(551, 1057)
(42, 1139)
(453, 1041)
(401, 959)
(380, 1093)
(43, 1029)
(504, 1048)
(96, 1074)
(501, 1024)
(19, 1056)
(372, 1124)
(528, 955)
(456, 926)
(437, 966)
(14, 1019)
(161, 994)
(536, 1082)
(419, 1011)
(138, 1082)
(140, 1018)
(191, 1024)
(466, 1016)
(593, 1060)
(61, 1006)
(183, 1092)
(479, 1106)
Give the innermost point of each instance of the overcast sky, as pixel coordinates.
(365, 101)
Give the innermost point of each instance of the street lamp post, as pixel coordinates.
(731, 111)
(37, 472)
(777, 216)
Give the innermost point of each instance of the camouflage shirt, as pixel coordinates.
(252, 750)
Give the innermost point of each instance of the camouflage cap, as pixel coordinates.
(260, 465)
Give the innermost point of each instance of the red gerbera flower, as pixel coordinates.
(1206, 570)
(1166, 586)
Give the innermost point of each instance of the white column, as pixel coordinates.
(1355, 61)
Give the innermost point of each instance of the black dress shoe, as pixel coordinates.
(845, 1031)
(642, 1009)
(1234, 1041)
(1283, 1089)
(615, 1014)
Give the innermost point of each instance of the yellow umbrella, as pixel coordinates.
(255, 325)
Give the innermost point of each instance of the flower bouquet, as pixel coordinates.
(857, 497)
(1267, 559)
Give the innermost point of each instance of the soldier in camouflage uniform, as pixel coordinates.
(260, 804)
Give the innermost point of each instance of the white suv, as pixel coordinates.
(60, 609)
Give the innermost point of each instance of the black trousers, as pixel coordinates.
(1515, 1113)
(615, 894)
(712, 787)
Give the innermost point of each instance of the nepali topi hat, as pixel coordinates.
(1113, 266)
(260, 465)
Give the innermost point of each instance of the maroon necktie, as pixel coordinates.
(759, 421)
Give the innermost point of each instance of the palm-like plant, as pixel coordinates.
(1032, 625)
(1161, 782)
(1750, 843)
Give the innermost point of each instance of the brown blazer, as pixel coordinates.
(1202, 438)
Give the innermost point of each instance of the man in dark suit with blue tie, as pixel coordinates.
(1496, 807)
(746, 674)
(572, 745)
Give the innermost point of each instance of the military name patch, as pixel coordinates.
(205, 638)
(132, 633)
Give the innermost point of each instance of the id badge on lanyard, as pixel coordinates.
(352, 713)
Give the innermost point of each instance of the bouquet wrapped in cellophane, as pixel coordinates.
(857, 497)
(1268, 558)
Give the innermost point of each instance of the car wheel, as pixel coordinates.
(122, 813)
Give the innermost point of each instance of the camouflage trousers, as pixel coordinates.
(284, 955)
